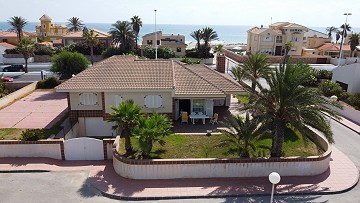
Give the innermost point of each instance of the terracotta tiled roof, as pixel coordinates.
(79, 34)
(333, 47)
(128, 73)
(258, 30)
(7, 45)
(8, 34)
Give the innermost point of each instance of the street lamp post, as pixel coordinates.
(274, 178)
(155, 38)
(342, 37)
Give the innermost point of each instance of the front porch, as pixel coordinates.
(199, 127)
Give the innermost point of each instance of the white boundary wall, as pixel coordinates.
(8, 99)
(31, 150)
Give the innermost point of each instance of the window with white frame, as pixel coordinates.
(118, 100)
(153, 101)
(198, 105)
(278, 39)
(88, 99)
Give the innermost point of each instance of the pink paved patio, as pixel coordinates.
(40, 109)
(341, 176)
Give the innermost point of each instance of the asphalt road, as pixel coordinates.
(73, 187)
(34, 67)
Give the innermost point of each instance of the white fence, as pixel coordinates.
(8, 99)
(84, 148)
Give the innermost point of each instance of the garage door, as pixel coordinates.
(97, 127)
(83, 148)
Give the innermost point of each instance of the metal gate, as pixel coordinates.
(83, 148)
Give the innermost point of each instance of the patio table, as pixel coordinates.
(196, 116)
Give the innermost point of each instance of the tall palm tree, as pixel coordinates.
(287, 103)
(208, 34)
(243, 133)
(125, 116)
(123, 33)
(345, 28)
(91, 40)
(331, 30)
(152, 129)
(26, 47)
(17, 24)
(74, 24)
(288, 46)
(197, 35)
(255, 66)
(136, 25)
(354, 41)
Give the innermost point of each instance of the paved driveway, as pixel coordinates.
(40, 109)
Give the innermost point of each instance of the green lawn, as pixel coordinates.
(201, 146)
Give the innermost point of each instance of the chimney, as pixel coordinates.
(220, 62)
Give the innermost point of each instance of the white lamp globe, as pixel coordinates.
(274, 178)
(333, 98)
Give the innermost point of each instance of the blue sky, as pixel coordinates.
(313, 13)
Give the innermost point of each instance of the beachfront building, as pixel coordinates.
(12, 38)
(175, 42)
(75, 37)
(272, 40)
(47, 31)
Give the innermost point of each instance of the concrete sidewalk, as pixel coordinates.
(349, 124)
(341, 176)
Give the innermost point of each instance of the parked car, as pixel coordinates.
(7, 79)
(14, 68)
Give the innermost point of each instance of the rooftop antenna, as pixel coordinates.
(155, 38)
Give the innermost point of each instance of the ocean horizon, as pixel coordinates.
(228, 34)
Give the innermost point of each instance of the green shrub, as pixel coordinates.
(33, 134)
(324, 74)
(43, 50)
(329, 88)
(83, 48)
(49, 83)
(163, 52)
(11, 51)
(189, 61)
(354, 100)
(66, 64)
(344, 96)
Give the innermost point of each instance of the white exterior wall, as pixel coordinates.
(17, 60)
(348, 74)
(347, 112)
(95, 127)
(139, 100)
(75, 102)
(222, 170)
(31, 150)
(2, 51)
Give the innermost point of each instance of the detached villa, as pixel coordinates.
(272, 40)
(164, 86)
(175, 42)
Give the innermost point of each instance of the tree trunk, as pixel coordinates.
(147, 150)
(128, 146)
(253, 85)
(276, 148)
(26, 64)
(92, 55)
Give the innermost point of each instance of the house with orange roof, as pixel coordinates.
(163, 86)
(272, 40)
(12, 38)
(75, 37)
(48, 31)
(333, 50)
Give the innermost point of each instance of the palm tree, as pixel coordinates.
(74, 24)
(354, 41)
(218, 48)
(345, 28)
(288, 46)
(331, 30)
(208, 34)
(197, 35)
(26, 47)
(238, 72)
(287, 103)
(338, 35)
(123, 33)
(152, 129)
(125, 116)
(91, 40)
(17, 24)
(255, 66)
(243, 133)
(136, 24)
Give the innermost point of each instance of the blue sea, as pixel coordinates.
(228, 34)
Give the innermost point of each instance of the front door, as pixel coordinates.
(278, 50)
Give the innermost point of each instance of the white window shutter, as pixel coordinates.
(88, 99)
